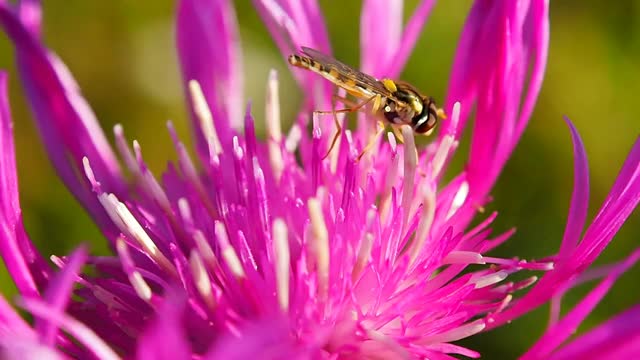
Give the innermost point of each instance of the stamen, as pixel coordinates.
(293, 139)
(135, 278)
(88, 171)
(228, 252)
(128, 224)
(203, 113)
(391, 178)
(319, 244)
(150, 183)
(185, 212)
(410, 164)
(273, 108)
(282, 261)
(125, 151)
(459, 199)
(488, 280)
(202, 280)
(426, 220)
(364, 254)
(463, 257)
(274, 130)
(455, 334)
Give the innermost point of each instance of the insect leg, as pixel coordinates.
(335, 117)
(373, 141)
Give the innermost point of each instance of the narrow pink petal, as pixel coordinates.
(295, 23)
(580, 197)
(27, 268)
(67, 125)
(620, 203)
(379, 40)
(408, 40)
(10, 320)
(617, 207)
(618, 338)
(30, 12)
(58, 293)
(562, 330)
(164, 337)
(508, 42)
(209, 51)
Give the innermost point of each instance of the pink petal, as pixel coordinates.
(410, 35)
(58, 293)
(562, 330)
(209, 51)
(164, 337)
(28, 270)
(379, 40)
(67, 125)
(618, 338)
(579, 198)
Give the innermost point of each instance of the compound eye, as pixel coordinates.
(425, 122)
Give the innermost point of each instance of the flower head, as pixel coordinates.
(264, 248)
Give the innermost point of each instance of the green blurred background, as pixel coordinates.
(122, 55)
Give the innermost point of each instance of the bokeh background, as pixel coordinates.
(122, 55)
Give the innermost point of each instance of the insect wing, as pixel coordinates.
(347, 74)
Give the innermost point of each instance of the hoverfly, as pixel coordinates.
(398, 102)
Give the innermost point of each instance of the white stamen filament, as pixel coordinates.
(185, 211)
(455, 118)
(410, 164)
(153, 187)
(273, 108)
(202, 111)
(135, 278)
(458, 333)
(459, 199)
(391, 179)
(441, 155)
(293, 139)
(282, 262)
(274, 130)
(364, 254)
(426, 220)
(319, 244)
(125, 151)
(201, 278)
(488, 280)
(205, 250)
(128, 224)
(228, 252)
(463, 257)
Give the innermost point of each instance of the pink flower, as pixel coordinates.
(270, 251)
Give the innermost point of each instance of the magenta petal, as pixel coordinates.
(579, 198)
(58, 293)
(618, 338)
(379, 40)
(507, 41)
(262, 339)
(67, 125)
(292, 24)
(165, 338)
(561, 331)
(408, 39)
(209, 52)
(618, 206)
(30, 12)
(27, 268)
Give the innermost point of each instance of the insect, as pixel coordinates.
(398, 102)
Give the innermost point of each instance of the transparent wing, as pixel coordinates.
(347, 72)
